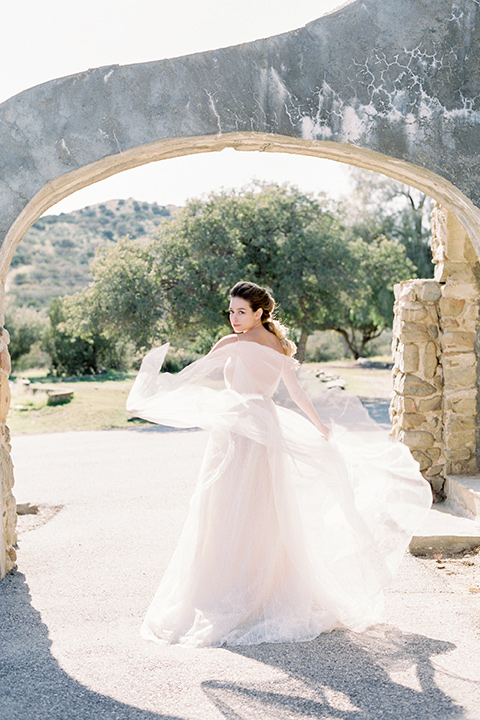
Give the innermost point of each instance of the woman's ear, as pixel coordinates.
(258, 314)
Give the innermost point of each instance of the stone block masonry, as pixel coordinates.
(416, 408)
(8, 536)
(434, 406)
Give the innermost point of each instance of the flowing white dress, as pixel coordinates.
(288, 535)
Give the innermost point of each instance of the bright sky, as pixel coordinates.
(45, 39)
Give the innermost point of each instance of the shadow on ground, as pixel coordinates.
(342, 675)
(32, 684)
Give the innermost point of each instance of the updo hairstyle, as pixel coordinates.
(258, 297)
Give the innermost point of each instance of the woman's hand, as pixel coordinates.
(325, 431)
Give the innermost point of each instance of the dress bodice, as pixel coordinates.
(254, 369)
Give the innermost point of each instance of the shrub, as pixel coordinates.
(27, 327)
(37, 357)
(176, 360)
(325, 346)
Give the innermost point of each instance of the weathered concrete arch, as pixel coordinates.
(389, 86)
(398, 79)
(55, 190)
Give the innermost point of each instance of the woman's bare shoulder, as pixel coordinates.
(269, 341)
(277, 345)
(223, 342)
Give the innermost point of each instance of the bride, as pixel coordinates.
(297, 524)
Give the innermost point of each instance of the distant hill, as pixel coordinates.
(54, 256)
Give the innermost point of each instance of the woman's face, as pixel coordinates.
(242, 317)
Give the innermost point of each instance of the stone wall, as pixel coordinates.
(457, 269)
(8, 537)
(416, 409)
(436, 338)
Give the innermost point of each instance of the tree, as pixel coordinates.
(294, 244)
(71, 354)
(364, 308)
(270, 234)
(26, 327)
(197, 257)
(122, 309)
(125, 298)
(381, 207)
(77, 343)
(176, 286)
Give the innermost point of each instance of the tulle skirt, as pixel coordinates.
(288, 535)
(289, 539)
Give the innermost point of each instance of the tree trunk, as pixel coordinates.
(302, 345)
(367, 337)
(349, 342)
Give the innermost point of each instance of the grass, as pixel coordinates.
(368, 383)
(99, 402)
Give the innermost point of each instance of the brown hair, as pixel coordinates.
(258, 297)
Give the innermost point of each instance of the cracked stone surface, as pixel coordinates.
(401, 79)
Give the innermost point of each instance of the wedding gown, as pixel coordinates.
(288, 535)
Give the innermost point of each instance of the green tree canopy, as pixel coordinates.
(322, 274)
(364, 307)
(274, 235)
(74, 346)
(26, 327)
(381, 207)
(126, 299)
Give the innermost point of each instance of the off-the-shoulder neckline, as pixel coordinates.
(257, 344)
(235, 342)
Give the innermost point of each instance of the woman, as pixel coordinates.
(295, 528)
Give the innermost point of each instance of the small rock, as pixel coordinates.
(27, 509)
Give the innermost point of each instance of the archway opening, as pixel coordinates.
(248, 144)
(431, 184)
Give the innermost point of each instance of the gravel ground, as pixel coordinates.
(111, 507)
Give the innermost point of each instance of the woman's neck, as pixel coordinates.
(256, 331)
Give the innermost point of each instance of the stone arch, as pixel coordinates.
(390, 87)
(437, 187)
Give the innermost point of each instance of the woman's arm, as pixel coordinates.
(300, 398)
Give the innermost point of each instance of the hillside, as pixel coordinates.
(54, 256)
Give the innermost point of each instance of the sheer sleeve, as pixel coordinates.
(300, 397)
(184, 399)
